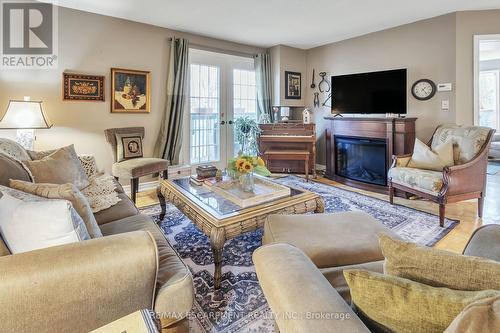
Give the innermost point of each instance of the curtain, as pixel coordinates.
(168, 144)
(263, 81)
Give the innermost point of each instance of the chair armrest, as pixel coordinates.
(300, 297)
(78, 287)
(400, 160)
(466, 178)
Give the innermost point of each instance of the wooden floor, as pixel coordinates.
(465, 211)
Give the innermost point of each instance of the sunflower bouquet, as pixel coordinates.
(244, 164)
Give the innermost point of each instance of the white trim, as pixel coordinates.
(142, 186)
(477, 40)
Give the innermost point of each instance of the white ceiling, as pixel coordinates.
(298, 23)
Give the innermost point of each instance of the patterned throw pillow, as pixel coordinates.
(399, 305)
(66, 192)
(128, 146)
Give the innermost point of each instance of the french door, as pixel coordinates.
(221, 89)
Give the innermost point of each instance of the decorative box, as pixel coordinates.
(179, 171)
(206, 171)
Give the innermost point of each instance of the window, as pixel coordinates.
(489, 99)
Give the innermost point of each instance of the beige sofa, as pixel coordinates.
(304, 298)
(82, 286)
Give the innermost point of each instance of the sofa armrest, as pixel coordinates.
(299, 296)
(400, 160)
(78, 287)
(485, 242)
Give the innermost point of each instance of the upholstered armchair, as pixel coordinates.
(465, 180)
(134, 165)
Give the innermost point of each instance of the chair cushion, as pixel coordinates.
(467, 141)
(174, 288)
(330, 240)
(426, 181)
(138, 167)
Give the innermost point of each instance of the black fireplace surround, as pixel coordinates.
(361, 159)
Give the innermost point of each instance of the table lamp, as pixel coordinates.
(25, 116)
(285, 113)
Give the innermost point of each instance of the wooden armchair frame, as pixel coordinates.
(460, 182)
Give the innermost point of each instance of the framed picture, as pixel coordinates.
(82, 87)
(293, 85)
(130, 91)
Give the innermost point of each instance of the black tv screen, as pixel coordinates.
(375, 92)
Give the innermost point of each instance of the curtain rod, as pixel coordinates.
(218, 50)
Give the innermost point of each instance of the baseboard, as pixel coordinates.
(142, 186)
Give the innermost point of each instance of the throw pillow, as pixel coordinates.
(87, 161)
(60, 167)
(101, 193)
(66, 192)
(425, 158)
(28, 226)
(438, 268)
(128, 146)
(480, 316)
(405, 306)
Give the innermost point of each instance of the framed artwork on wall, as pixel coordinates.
(293, 85)
(130, 91)
(83, 87)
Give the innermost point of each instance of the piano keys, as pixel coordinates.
(291, 137)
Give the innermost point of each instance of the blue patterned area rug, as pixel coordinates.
(240, 306)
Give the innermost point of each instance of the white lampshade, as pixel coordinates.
(285, 111)
(24, 115)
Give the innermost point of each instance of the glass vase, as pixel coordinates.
(247, 182)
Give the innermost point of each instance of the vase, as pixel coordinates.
(247, 182)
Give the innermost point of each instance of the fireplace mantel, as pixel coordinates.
(399, 134)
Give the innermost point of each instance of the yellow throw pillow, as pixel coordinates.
(438, 268)
(405, 306)
(425, 158)
(67, 192)
(480, 316)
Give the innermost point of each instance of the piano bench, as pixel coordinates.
(289, 155)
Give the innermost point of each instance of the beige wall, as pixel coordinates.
(469, 24)
(90, 43)
(425, 48)
(285, 58)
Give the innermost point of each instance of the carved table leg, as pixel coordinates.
(320, 205)
(163, 205)
(217, 240)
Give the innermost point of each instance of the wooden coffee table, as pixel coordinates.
(220, 219)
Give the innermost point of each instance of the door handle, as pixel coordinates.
(230, 122)
(223, 122)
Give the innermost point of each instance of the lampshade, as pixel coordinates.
(285, 111)
(24, 115)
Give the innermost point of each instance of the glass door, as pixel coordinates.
(489, 91)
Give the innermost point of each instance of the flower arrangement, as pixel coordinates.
(244, 164)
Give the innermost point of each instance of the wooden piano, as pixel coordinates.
(289, 140)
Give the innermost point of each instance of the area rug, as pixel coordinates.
(240, 306)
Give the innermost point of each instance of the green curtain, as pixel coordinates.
(263, 81)
(168, 144)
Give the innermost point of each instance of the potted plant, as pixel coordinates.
(243, 167)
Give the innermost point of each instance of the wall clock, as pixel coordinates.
(423, 89)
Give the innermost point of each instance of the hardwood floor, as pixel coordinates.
(465, 211)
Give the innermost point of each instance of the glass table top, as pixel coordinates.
(212, 202)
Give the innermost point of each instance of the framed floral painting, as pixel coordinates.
(130, 91)
(82, 87)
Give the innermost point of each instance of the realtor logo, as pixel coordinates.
(28, 35)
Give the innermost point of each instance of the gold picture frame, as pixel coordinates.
(130, 91)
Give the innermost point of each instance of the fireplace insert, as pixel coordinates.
(361, 159)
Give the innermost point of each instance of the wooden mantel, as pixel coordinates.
(399, 134)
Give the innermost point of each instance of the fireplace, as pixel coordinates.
(361, 159)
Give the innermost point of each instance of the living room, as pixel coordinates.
(199, 167)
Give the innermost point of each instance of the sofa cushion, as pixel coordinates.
(438, 268)
(330, 240)
(405, 306)
(12, 169)
(138, 167)
(467, 141)
(13, 149)
(426, 181)
(480, 316)
(124, 208)
(174, 282)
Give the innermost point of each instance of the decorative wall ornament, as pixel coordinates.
(130, 91)
(82, 87)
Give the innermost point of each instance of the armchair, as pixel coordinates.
(463, 181)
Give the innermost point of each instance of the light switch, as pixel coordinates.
(445, 105)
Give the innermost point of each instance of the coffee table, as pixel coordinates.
(221, 219)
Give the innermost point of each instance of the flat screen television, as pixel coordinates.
(375, 92)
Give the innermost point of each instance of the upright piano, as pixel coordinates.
(289, 136)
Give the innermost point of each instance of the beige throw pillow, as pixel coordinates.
(425, 158)
(67, 192)
(60, 167)
(438, 268)
(480, 316)
(405, 306)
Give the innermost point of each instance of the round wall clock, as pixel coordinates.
(423, 89)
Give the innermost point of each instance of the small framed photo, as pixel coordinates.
(132, 147)
(293, 85)
(130, 91)
(82, 87)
